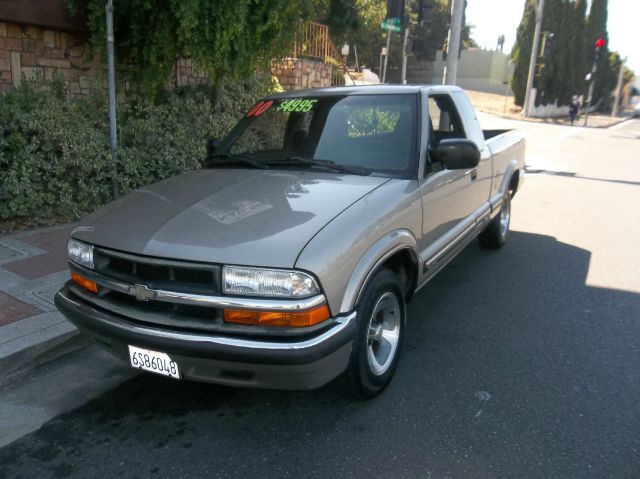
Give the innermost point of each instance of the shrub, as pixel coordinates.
(55, 161)
(53, 154)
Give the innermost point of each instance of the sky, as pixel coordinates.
(495, 17)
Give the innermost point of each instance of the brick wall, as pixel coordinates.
(299, 73)
(28, 51)
(185, 73)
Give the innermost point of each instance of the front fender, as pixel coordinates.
(380, 251)
(344, 251)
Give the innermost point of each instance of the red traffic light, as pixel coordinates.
(600, 43)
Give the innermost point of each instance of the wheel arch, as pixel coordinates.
(397, 251)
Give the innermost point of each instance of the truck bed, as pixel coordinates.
(488, 134)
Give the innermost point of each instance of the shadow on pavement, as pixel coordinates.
(512, 367)
(568, 174)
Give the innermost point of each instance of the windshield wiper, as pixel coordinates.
(328, 164)
(233, 158)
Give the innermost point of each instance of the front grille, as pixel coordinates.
(157, 273)
(174, 276)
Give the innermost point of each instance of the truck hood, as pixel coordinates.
(233, 216)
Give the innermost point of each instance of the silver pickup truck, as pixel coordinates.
(288, 259)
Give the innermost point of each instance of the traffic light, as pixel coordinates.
(424, 10)
(598, 45)
(395, 9)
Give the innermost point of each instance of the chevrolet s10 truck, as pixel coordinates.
(287, 260)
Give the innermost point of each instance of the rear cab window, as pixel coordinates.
(472, 125)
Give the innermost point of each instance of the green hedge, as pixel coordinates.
(55, 161)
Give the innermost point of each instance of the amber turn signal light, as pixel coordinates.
(275, 318)
(84, 282)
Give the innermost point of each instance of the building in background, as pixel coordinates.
(479, 70)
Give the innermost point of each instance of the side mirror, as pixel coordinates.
(456, 154)
(212, 146)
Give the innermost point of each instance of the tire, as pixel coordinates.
(496, 233)
(381, 315)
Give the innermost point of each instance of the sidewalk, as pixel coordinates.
(33, 267)
(495, 104)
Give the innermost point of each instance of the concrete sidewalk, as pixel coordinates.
(33, 267)
(496, 105)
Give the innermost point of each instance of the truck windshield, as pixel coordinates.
(365, 134)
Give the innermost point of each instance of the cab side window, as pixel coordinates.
(444, 120)
(443, 123)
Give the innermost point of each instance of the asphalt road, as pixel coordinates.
(523, 362)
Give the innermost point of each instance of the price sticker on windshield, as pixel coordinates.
(260, 108)
(297, 105)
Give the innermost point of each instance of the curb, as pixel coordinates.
(22, 355)
(543, 120)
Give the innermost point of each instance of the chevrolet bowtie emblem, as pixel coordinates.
(142, 292)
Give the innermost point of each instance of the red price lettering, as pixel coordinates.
(260, 108)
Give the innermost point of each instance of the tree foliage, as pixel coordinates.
(605, 78)
(561, 72)
(431, 35)
(521, 52)
(341, 16)
(227, 39)
(55, 160)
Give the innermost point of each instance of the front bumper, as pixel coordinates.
(284, 364)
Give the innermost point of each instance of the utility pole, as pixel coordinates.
(453, 42)
(592, 77)
(534, 57)
(111, 78)
(404, 55)
(386, 56)
(616, 104)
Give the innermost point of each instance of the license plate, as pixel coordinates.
(153, 361)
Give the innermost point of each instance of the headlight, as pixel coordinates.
(81, 253)
(268, 282)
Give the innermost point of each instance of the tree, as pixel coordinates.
(578, 59)
(467, 39)
(227, 39)
(561, 69)
(615, 62)
(551, 72)
(521, 52)
(341, 16)
(427, 38)
(597, 28)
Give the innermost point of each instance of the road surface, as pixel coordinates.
(523, 362)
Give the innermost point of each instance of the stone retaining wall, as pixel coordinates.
(30, 51)
(27, 51)
(300, 73)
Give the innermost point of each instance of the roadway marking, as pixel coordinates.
(556, 140)
(621, 125)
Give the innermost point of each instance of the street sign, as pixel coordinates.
(394, 24)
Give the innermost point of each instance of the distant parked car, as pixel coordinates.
(636, 110)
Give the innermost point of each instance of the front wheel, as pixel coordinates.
(496, 233)
(376, 350)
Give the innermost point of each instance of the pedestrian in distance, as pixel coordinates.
(574, 109)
